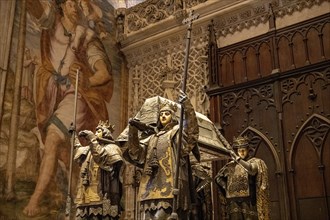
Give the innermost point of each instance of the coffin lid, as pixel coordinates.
(211, 142)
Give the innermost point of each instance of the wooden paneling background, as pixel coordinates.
(275, 88)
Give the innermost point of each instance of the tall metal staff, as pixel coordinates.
(189, 21)
(72, 131)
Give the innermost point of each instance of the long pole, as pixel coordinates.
(14, 121)
(176, 192)
(72, 130)
(5, 38)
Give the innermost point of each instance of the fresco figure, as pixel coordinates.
(66, 47)
(28, 75)
(93, 17)
(155, 154)
(99, 188)
(244, 182)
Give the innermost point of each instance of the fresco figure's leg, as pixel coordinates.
(47, 171)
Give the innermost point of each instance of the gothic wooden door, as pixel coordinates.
(275, 89)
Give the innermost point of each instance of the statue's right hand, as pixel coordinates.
(132, 129)
(182, 97)
(234, 156)
(86, 134)
(132, 121)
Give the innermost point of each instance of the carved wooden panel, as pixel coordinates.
(285, 60)
(265, 59)
(285, 112)
(306, 126)
(252, 64)
(325, 41)
(226, 72)
(295, 48)
(314, 45)
(238, 67)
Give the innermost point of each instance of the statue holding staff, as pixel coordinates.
(156, 155)
(99, 188)
(244, 182)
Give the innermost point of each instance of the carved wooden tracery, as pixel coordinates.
(230, 101)
(283, 103)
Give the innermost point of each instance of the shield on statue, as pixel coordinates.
(211, 143)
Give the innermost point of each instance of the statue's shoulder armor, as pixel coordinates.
(81, 151)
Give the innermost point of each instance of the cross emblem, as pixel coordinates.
(191, 18)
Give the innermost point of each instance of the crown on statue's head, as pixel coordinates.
(168, 106)
(240, 142)
(106, 124)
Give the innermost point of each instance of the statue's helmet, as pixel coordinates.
(167, 106)
(241, 142)
(107, 129)
(171, 107)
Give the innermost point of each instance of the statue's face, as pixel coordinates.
(242, 152)
(165, 117)
(99, 133)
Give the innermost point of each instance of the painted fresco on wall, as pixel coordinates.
(63, 38)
